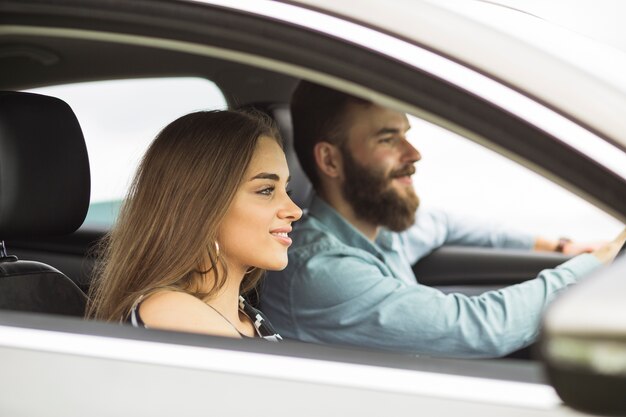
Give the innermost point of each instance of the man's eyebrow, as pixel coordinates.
(390, 130)
(268, 176)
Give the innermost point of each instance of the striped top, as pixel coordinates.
(262, 326)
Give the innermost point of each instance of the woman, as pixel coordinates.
(208, 211)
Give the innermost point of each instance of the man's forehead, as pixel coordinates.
(372, 117)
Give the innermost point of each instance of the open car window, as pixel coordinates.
(120, 118)
(470, 180)
(454, 174)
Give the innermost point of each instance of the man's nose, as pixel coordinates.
(410, 153)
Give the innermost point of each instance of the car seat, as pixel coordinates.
(44, 191)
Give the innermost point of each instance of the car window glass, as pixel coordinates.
(470, 180)
(120, 118)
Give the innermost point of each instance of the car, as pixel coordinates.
(547, 107)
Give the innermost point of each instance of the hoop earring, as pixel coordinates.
(217, 251)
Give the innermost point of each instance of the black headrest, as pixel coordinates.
(301, 189)
(44, 168)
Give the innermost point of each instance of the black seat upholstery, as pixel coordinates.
(301, 189)
(44, 191)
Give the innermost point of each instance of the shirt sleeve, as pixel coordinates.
(435, 228)
(344, 299)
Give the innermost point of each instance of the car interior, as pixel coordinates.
(48, 134)
(45, 192)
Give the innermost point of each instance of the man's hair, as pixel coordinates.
(318, 115)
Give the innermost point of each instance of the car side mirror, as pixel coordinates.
(583, 344)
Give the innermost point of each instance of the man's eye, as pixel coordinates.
(386, 140)
(266, 191)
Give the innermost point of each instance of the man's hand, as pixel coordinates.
(576, 248)
(566, 246)
(608, 252)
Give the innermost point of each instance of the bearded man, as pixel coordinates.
(349, 278)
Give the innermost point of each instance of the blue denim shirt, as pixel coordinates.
(340, 287)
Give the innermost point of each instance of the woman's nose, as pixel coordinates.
(290, 210)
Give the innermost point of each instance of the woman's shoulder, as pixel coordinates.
(170, 297)
(179, 311)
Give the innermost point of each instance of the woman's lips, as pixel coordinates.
(282, 235)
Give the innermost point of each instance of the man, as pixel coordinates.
(349, 278)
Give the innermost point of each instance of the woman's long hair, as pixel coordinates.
(167, 226)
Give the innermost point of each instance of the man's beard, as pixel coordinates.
(374, 200)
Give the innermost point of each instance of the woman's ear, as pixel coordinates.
(328, 159)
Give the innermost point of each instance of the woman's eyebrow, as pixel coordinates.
(265, 176)
(268, 176)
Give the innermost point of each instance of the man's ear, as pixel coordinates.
(328, 159)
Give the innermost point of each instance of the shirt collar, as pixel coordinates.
(347, 233)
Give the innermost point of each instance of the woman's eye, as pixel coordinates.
(385, 140)
(266, 191)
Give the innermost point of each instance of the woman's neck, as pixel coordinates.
(226, 300)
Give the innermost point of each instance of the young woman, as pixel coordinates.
(208, 211)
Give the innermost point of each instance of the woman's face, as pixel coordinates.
(255, 229)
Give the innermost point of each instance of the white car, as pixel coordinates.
(516, 85)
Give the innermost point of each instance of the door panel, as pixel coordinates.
(471, 270)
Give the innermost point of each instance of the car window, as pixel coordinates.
(468, 179)
(454, 174)
(120, 118)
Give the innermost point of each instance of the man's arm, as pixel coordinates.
(337, 298)
(435, 228)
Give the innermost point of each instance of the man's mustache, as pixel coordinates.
(405, 171)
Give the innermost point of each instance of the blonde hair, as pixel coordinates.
(167, 227)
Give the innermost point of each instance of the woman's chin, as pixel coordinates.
(278, 265)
